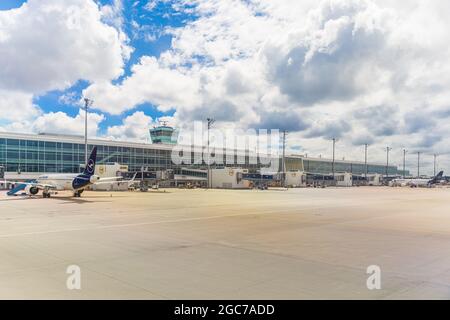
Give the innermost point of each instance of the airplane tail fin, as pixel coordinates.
(130, 182)
(89, 169)
(438, 178)
(440, 175)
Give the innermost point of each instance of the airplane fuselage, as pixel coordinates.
(412, 182)
(60, 181)
(72, 182)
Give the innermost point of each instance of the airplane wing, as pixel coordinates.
(28, 182)
(108, 182)
(45, 186)
(21, 186)
(111, 179)
(114, 179)
(33, 184)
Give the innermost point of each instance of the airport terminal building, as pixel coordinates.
(33, 154)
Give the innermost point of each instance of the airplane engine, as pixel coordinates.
(30, 190)
(94, 179)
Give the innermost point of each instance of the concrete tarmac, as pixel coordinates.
(228, 244)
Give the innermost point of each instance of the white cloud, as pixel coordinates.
(56, 122)
(149, 82)
(136, 127)
(133, 127)
(150, 5)
(17, 106)
(240, 58)
(60, 122)
(48, 44)
(112, 15)
(336, 56)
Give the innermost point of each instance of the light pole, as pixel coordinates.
(283, 164)
(365, 160)
(334, 155)
(418, 164)
(388, 149)
(87, 105)
(260, 165)
(404, 162)
(435, 158)
(210, 123)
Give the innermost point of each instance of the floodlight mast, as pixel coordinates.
(388, 149)
(334, 159)
(87, 104)
(283, 162)
(418, 163)
(366, 146)
(404, 162)
(210, 122)
(435, 164)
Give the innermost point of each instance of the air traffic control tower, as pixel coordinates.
(163, 134)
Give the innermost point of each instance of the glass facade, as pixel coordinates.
(191, 173)
(26, 155)
(19, 153)
(326, 167)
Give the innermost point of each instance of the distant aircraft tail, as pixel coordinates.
(89, 169)
(438, 178)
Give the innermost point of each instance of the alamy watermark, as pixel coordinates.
(73, 281)
(229, 146)
(374, 280)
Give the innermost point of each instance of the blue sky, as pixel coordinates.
(9, 4)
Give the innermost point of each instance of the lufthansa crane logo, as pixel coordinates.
(90, 166)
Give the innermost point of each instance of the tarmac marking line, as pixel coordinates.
(127, 225)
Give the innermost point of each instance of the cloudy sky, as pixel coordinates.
(361, 71)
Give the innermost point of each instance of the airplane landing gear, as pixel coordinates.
(46, 194)
(77, 194)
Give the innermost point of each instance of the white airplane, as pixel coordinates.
(415, 183)
(51, 183)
